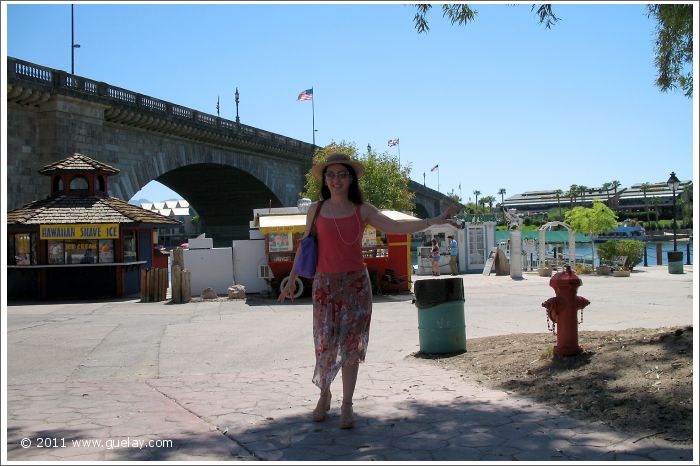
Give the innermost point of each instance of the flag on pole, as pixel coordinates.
(393, 142)
(306, 95)
(435, 168)
(217, 105)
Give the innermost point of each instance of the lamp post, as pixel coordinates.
(73, 45)
(673, 183)
(237, 95)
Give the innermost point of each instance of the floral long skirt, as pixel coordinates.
(342, 313)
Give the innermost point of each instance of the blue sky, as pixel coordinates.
(500, 103)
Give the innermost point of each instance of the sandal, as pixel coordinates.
(322, 407)
(346, 419)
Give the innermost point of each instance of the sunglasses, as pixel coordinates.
(339, 175)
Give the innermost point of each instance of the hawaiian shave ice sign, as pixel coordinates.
(79, 231)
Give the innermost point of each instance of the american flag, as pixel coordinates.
(393, 142)
(217, 105)
(435, 168)
(306, 95)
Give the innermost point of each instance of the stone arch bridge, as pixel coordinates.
(224, 169)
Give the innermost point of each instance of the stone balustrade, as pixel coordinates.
(31, 84)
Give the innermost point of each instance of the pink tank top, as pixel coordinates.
(340, 248)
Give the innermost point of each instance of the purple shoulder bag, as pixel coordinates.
(305, 265)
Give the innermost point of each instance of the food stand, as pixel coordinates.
(78, 242)
(387, 256)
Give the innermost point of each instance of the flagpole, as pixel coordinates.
(398, 146)
(313, 118)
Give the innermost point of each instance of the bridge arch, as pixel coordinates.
(223, 195)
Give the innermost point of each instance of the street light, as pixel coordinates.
(73, 45)
(673, 183)
(237, 98)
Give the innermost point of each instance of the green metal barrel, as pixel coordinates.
(675, 261)
(441, 325)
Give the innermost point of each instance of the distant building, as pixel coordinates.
(181, 211)
(631, 199)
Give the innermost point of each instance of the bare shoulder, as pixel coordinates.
(367, 209)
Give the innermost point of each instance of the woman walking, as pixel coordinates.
(342, 292)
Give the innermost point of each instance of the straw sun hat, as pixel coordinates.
(317, 170)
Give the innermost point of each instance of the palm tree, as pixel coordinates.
(645, 188)
(502, 192)
(583, 190)
(573, 194)
(476, 197)
(615, 184)
(489, 200)
(606, 187)
(558, 193)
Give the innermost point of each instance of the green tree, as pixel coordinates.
(384, 184)
(462, 14)
(582, 190)
(489, 200)
(594, 220)
(502, 192)
(454, 196)
(573, 194)
(476, 197)
(674, 46)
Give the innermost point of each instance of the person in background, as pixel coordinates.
(452, 247)
(435, 252)
(341, 291)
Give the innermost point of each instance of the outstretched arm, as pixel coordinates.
(381, 222)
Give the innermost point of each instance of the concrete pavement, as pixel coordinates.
(231, 380)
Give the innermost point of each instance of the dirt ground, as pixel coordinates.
(637, 380)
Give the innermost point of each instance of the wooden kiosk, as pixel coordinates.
(78, 242)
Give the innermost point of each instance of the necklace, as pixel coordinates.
(359, 229)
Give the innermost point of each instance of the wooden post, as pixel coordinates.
(153, 284)
(178, 257)
(186, 286)
(176, 287)
(164, 284)
(143, 286)
(156, 285)
(659, 254)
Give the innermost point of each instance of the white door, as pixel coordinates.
(476, 247)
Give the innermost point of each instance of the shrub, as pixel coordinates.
(633, 249)
(607, 251)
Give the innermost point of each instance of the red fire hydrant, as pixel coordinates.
(563, 311)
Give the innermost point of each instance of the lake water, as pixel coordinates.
(583, 253)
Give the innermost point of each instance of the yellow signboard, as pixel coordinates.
(79, 231)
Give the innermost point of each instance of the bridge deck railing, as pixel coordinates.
(61, 81)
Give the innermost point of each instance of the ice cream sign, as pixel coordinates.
(79, 231)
